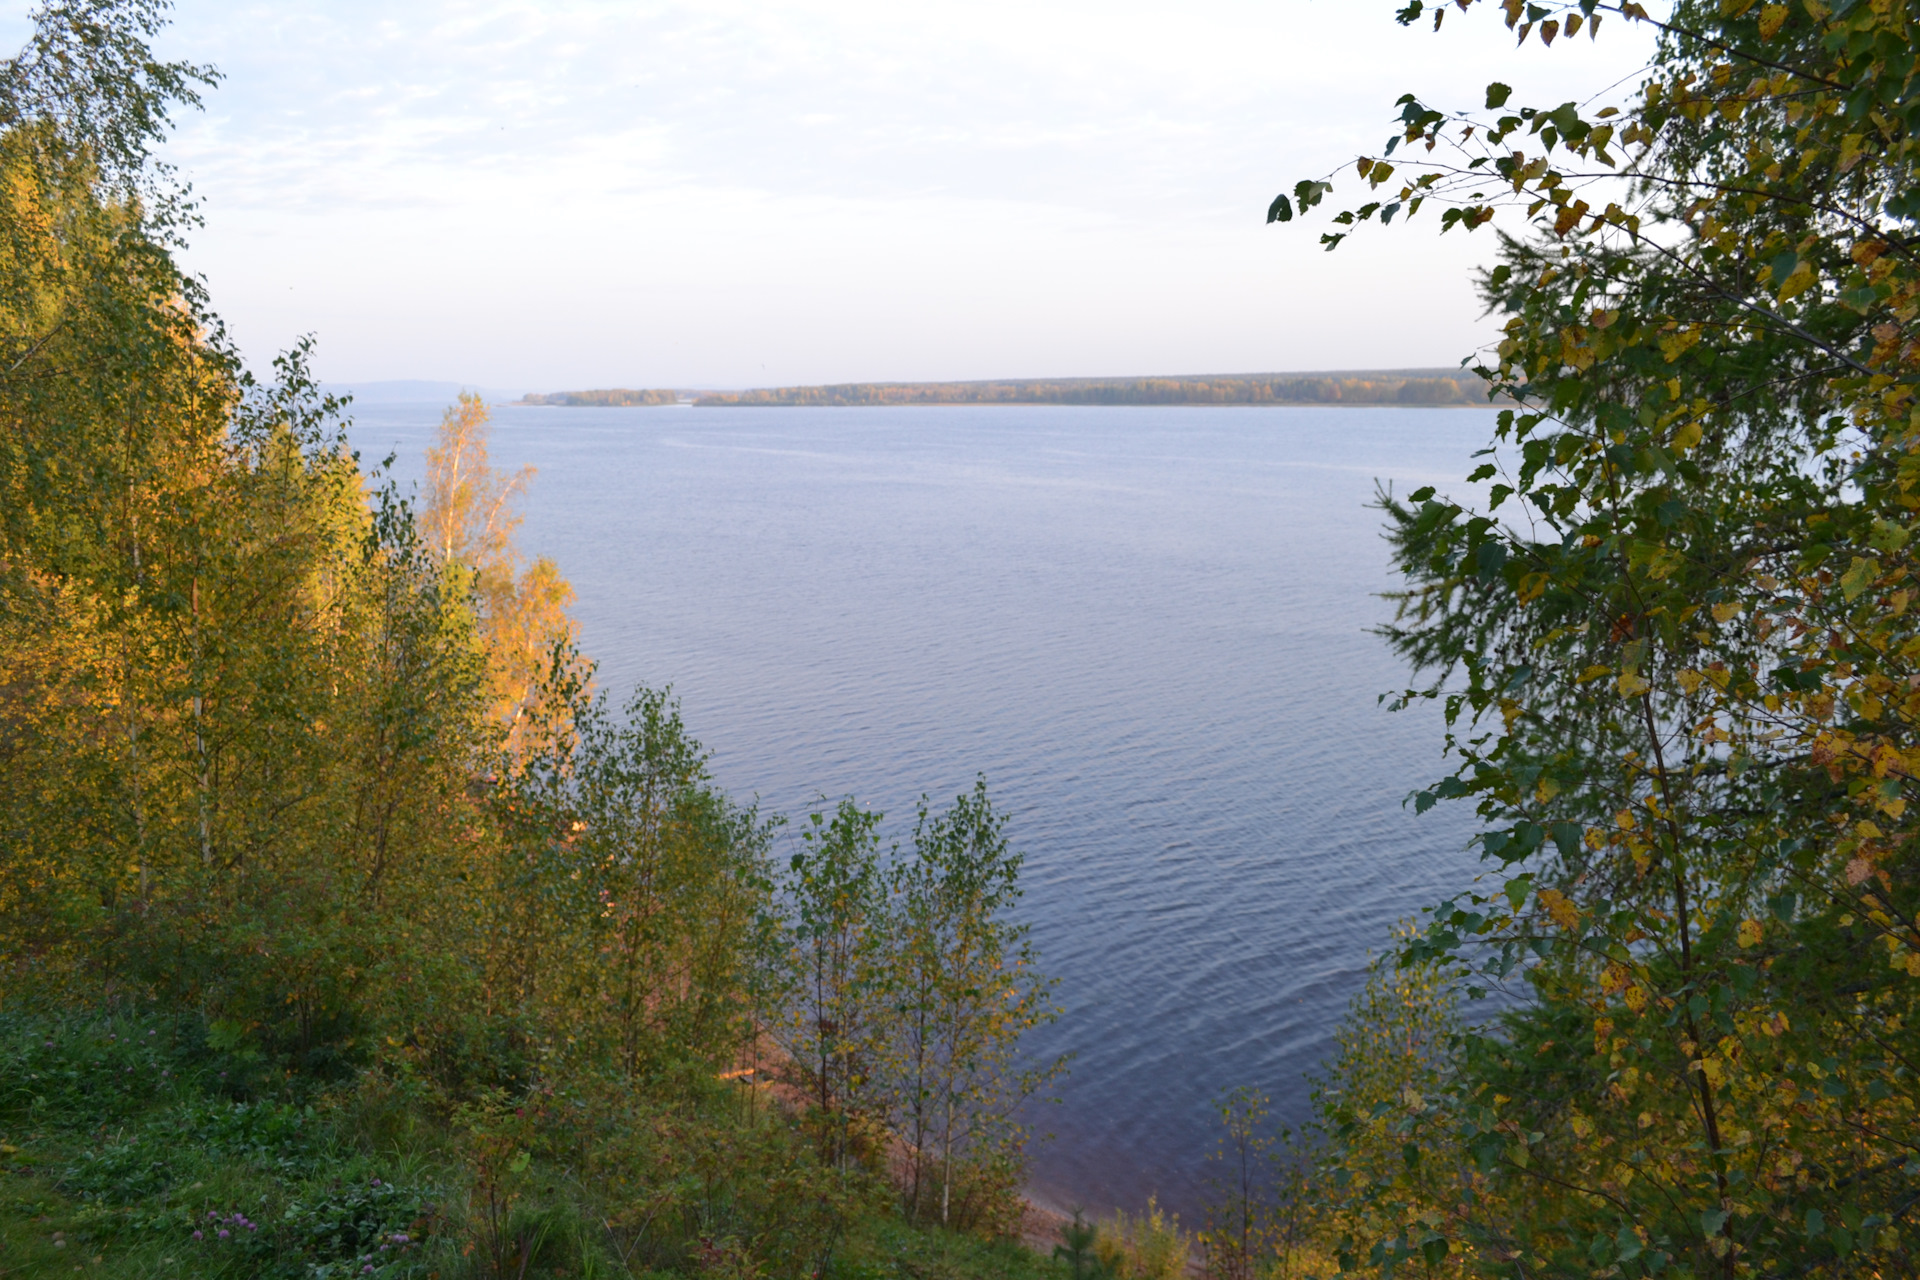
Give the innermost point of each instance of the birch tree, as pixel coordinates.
(469, 518)
(965, 988)
(1676, 652)
(835, 1024)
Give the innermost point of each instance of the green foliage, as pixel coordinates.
(907, 990)
(1144, 1246)
(1384, 1159)
(1077, 1249)
(963, 988)
(600, 1180)
(173, 1165)
(1675, 653)
(344, 929)
(1261, 1214)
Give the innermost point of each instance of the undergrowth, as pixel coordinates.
(132, 1147)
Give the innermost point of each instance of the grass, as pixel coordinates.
(132, 1149)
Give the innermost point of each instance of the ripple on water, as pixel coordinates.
(1148, 627)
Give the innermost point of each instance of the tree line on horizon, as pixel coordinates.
(607, 398)
(1364, 389)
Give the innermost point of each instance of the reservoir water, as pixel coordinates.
(1149, 628)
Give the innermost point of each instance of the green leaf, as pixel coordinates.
(1517, 890)
(1889, 535)
(1712, 1220)
(1497, 95)
(1281, 210)
(1859, 576)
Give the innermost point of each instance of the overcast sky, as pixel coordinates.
(756, 192)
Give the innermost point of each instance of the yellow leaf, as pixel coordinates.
(1859, 576)
(1749, 933)
(1726, 611)
(1594, 673)
(1913, 965)
(1631, 685)
(1799, 282)
(1561, 908)
(1771, 19)
(1689, 680)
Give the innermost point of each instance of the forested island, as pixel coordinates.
(1399, 387)
(608, 398)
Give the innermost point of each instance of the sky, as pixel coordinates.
(647, 193)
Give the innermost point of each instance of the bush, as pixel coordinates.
(1147, 1246)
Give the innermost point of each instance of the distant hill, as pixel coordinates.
(413, 391)
(1435, 387)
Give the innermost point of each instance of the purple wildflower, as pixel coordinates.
(198, 1236)
(223, 1233)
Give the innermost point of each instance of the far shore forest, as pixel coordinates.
(1418, 387)
(351, 926)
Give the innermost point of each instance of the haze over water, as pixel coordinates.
(1147, 626)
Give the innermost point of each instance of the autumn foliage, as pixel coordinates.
(1676, 652)
(315, 777)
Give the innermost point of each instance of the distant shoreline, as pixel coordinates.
(1422, 388)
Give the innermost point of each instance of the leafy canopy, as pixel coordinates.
(1677, 654)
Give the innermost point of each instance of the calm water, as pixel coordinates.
(1148, 627)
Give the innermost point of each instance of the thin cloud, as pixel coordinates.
(364, 164)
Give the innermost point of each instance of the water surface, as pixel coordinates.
(1149, 628)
